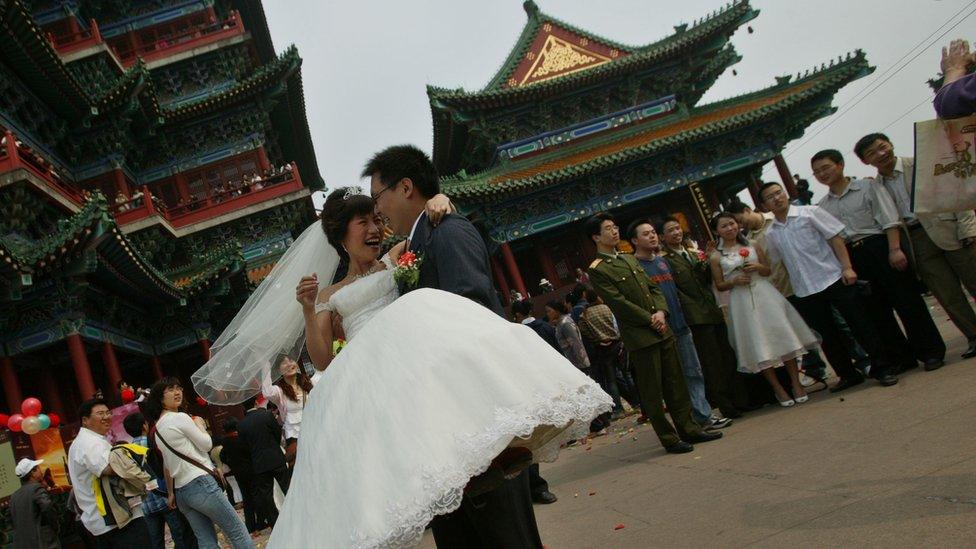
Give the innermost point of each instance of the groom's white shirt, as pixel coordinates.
(413, 229)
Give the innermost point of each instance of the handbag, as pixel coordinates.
(945, 165)
(214, 473)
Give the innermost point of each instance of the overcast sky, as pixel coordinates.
(367, 63)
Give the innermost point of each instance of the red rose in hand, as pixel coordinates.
(744, 252)
(128, 395)
(201, 401)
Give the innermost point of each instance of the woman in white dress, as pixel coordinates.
(289, 394)
(428, 391)
(765, 330)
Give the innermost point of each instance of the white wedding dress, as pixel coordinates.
(428, 390)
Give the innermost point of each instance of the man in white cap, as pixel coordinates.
(32, 510)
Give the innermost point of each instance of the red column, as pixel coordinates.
(112, 370)
(157, 368)
(548, 267)
(79, 362)
(121, 184)
(513, 270)
(754, 192)
(785, 176)
(52, 393)
(205, 348)
(11, 386)
(263, 161)
(496, 268)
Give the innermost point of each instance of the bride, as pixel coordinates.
(429, 390)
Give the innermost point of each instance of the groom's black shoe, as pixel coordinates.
(545, 497)
(704, 436)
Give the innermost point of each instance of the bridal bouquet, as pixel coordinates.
(407, 271)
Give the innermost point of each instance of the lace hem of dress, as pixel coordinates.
(777, 362)
(572, 410)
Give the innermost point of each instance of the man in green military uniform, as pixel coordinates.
(641, 312)
(693, 279)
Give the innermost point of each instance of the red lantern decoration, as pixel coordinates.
(14, 421)
(201, 401)
(128, 395)
(4, 418)
(55, 419)
(30, 407)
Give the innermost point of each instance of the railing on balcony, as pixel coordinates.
(78, 40)
(14, 155)
(190, 38)
(143, 204)
(127, 54)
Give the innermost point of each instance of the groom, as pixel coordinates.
(454, 258)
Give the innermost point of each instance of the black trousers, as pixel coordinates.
(816, 311)
(896, 291)
(251, 517)
(537, 484)
(262, 487)
(135, 534)
(501, 518)
(723, 387)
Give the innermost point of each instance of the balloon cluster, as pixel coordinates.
(30, 420)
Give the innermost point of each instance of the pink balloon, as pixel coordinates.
(30, 407)
(14, 422)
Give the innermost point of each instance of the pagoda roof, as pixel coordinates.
(30, 54)
(119, 263)
(635, 141)
(581, 57)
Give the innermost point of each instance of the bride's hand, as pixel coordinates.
(307, 292)
(438, 207)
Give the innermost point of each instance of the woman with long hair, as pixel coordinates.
(191, 477)
(765, 330)
(289, 394)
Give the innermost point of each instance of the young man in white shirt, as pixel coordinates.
(88, 459)
(808, 241)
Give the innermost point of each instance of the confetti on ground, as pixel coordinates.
(592, 493)
(576, 495)
(619, 526)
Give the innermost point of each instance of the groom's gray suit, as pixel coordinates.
(455, 259)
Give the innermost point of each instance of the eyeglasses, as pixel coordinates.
(772, 195)
(376, 196)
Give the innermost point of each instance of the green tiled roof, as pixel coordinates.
(94, 227)
(724, 21)
(637, 142)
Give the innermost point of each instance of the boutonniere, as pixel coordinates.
(407, 271)
(701, 255)
(338, 345)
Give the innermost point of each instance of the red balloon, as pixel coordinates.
(55, 419)
(128, 395)
(13, 423)
(4, 418)
(201, 401)
(30, 407)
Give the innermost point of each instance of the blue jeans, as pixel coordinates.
(701, 411)
(205, 504)
(156, 522)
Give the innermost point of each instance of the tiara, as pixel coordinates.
(351, 192)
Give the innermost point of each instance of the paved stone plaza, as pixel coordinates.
(869, 467)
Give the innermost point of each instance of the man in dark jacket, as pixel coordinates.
(32, 510)
(260, 432)
(236, 455)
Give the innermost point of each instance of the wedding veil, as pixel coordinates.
(269, 323)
